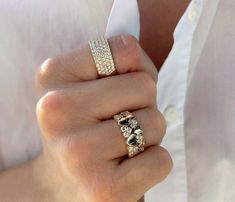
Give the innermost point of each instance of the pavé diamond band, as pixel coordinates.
(132, 131)
(102, 56)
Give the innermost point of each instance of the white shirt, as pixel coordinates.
(171, 88)
(196, 86)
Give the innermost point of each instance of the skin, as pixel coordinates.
(84, 153)
(157, 40)
(80, 162)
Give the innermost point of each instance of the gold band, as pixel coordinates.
(132, 131)
(102, 56)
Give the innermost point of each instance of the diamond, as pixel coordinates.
(138, 131)
(126, 134)
(128, 129)
(102, 56)
(132, 151)
(117, 117)
(125, 113)
(124, 128)
(133, 123)
(141, 149)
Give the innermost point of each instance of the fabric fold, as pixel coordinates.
(124, 19)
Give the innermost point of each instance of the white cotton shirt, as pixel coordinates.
(196, 85)
(198, 175)
(171, 88)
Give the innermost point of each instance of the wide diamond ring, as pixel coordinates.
(102, 56)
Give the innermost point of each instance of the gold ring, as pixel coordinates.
(102, 56)
(132, 131)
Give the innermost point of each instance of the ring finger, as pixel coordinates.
(107, 141)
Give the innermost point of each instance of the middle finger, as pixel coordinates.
(97, 100)
(106, 140)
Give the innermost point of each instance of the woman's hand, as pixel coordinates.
(84, 152)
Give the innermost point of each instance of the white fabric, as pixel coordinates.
(210, 106)
(30, 32)
(170, 99)
(123, 19)
(195, 177)
(196, 87)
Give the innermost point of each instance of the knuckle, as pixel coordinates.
(46, 70)
(162, 123)
(55, 110)
(48, 108)
(147, 83)
(152, 115)
(157, 124)
(166, 161)
(163, 163)
(49, 102)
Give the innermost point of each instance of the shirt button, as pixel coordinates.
(193, 13)
(171, 114)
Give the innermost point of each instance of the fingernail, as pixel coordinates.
(124, 39)
(118, 42)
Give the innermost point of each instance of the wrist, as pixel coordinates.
(21, 184)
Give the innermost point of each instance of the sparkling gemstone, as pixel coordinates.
(136, 149)
(124, 128)
(138, 131)
(132, 140)
(141, 149)
(133, 121)
(133, 125)
(125, 113)
(130, 149)
(117, 117)
(128, 129)
(126, 134)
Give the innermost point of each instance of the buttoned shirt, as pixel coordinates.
(196, 85)
(193, 178)
(171, 90)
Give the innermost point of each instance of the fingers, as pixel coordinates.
(140, 173)
(113, 94)
(106, 141)
(79, 65)
(64, 110)
(109, 137)
(76, 115)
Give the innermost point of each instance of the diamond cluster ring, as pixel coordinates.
(102, 56)
(132, 132)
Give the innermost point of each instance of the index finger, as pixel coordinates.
(79, 65)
